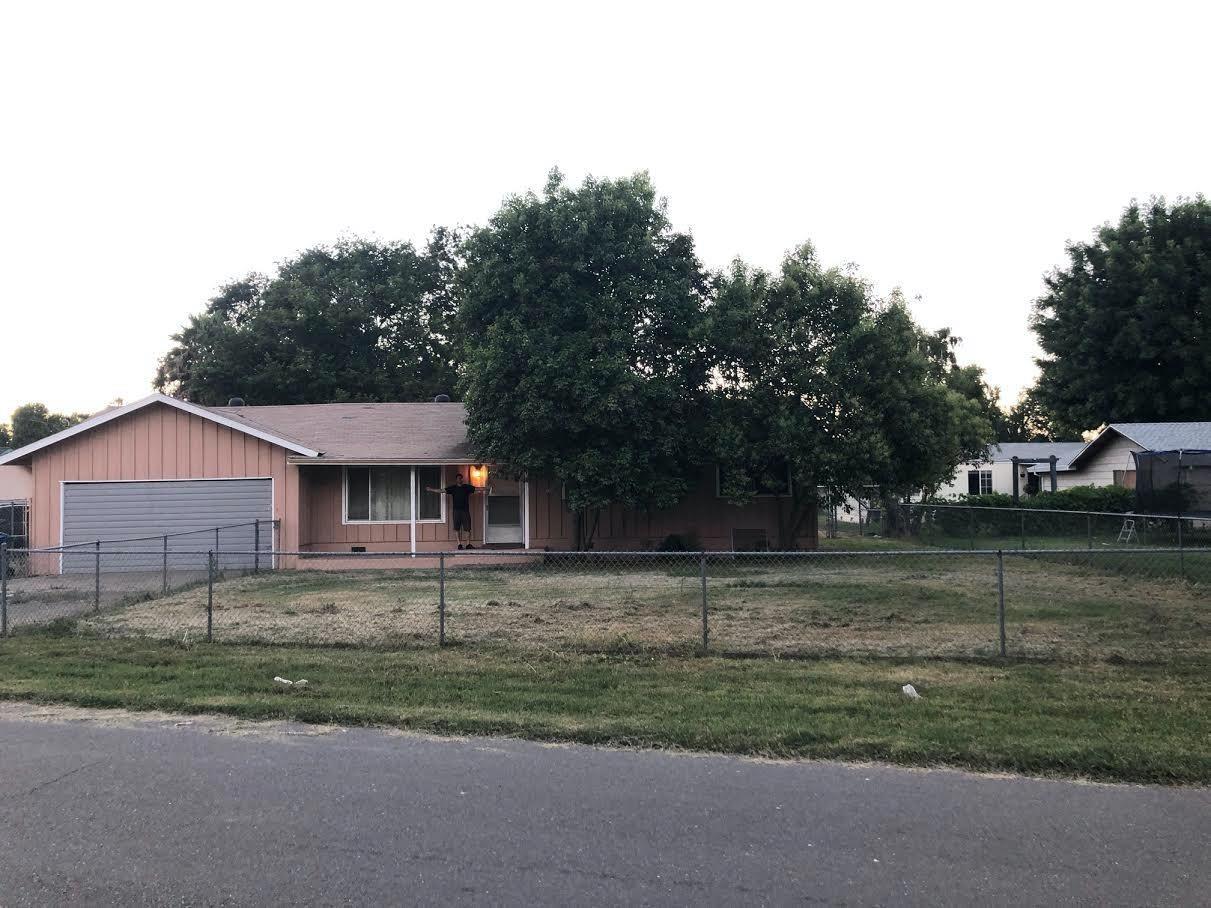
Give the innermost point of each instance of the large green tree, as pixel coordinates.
(357, 321)
(1125, 327)
(1027, 421)
(581, 313)
(818, 381)
(33, 422)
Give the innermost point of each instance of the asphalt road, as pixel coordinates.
(143, 811)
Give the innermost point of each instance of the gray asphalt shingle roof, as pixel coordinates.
(1166, 436)
(1154, 436)
(1027, 450)
(410, 432)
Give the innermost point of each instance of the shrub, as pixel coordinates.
(960, 522)
(681, 542)
(1085, 498)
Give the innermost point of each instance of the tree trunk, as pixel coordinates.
(789, 526)
(586, 528)
(894, 517)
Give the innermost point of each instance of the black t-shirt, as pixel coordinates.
(460, 496)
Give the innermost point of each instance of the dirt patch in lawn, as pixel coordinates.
(937, 605)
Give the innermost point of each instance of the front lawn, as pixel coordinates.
(1113, 722)
(920, 603)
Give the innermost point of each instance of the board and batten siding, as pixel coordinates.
(1098, 469)
(702, 513)
(552, 526)
(325, 529)
(160, 442)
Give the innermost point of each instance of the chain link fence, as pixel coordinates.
(963, 526)
(14, 522)
(1131, 603)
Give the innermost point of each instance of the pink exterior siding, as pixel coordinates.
(326, 531)
(552, 525)
(702, 514)
(159, 442)
(16, 483)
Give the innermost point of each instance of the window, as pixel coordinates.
(771, 479)
(979, 482)
(384, 494)
(1125, 478)
(428, 504)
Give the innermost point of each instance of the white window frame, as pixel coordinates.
(412, 485)
(980, 477)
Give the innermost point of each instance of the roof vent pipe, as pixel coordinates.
(442, 399)
(236, 402)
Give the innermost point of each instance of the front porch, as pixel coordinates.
(394, 508)
(492, 556)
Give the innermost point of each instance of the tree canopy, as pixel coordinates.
(357, 321)
(1125, 327)
(819, 382)
(590, 346)
(34, 422)
(581, 316)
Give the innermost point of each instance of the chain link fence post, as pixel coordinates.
(1023, 530)
(164, 569)
(97, 578)
(1181, 551)
(1001, 599)
(256, 547)
(706, 629)
(971, 527)
(441, 599)
(210, 597)
(3, 589)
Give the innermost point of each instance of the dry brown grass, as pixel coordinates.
(936, 605)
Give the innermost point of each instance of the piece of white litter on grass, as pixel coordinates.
(910, 692)
(301, 682)
(280, 680)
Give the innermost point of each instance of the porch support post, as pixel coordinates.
(1014, 461)
(525, 513)
(412, 510)
(1054, 479)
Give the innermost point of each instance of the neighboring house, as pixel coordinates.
(1107, 460)
(16, 483)
(336, 477)
(995, 472)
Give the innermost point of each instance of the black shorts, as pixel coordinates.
(462, 521)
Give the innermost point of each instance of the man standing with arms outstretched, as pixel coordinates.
(460, 500)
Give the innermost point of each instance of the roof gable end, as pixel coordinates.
(106, 416)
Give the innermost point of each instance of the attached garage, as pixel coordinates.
(134, 517)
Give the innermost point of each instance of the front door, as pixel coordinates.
(503, 512)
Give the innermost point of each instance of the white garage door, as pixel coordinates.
(134, 517)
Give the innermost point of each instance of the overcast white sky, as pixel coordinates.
(151, 152)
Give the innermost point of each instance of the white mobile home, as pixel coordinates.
(1107, 460)
(995, 472)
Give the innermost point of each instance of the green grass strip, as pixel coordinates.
(1100, 721)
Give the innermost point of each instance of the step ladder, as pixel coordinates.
(1126, 533)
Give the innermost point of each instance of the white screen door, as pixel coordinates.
(502, 520)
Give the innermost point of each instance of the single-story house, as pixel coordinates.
(995, 472)
(1107, 459)
(335, 477)
(16, 483)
